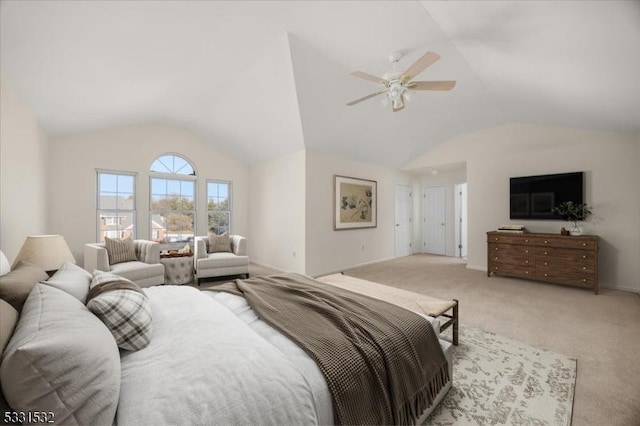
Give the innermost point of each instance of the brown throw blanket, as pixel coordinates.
(383, 364)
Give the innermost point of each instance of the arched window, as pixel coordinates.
(173, 200)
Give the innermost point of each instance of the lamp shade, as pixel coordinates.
(47, 251)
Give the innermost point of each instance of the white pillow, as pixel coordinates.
(72, 279)
(4, 264)
(61, 359)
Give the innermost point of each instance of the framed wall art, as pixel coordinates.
(355, 203)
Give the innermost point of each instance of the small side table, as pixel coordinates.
(178, 270)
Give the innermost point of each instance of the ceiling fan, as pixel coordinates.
(398, 84)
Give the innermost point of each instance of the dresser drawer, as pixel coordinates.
(506, 268)
(516, 250)
(511, 258)
(573, 255)
(567, 242)
(580, 280)
(506, 238)
(555, 266)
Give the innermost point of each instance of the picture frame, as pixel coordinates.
(355, 203)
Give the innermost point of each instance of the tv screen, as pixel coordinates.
(534, 197)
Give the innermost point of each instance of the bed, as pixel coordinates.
(210, 360)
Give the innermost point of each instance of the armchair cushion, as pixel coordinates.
(219, 243)
(120, 250)
(136, 271)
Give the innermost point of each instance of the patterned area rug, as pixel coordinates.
(499, 381)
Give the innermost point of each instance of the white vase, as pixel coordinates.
(576, 230)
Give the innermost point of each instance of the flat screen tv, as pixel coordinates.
(534, 197)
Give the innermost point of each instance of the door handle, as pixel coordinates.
(397, 224)
(442, 224)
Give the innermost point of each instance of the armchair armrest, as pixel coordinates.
(200, 248)
(239, 245)
(96, 257)
(147, 251)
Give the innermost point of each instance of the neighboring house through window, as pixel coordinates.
(219, 206)
(172, 204)
(116, 215)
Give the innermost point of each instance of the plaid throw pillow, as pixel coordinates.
(123, 307)
(219, 243)
(119, 250)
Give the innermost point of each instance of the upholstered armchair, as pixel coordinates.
(220, 263)
(145, 271)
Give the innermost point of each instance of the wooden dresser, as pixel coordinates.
(552, 258)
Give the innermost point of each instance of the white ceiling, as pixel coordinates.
(259, 79)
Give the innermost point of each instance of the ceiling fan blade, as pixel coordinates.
(401, 105)
(432, 85)
(420, 65)
(369, 77)
(367, 97)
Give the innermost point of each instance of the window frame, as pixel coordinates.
(179, 177)
(229, 196)
(116, 212)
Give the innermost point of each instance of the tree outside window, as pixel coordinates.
(172, 205)
(219, 206)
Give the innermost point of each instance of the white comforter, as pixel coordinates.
(205, 365)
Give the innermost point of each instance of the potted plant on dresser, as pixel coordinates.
(573, 212)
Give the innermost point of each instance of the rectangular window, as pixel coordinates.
(219, 206)
(173, 210)
(116, 215)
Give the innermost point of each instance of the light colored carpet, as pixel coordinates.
(499, 381)
(602, 332)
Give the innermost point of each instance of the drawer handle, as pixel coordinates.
(526, 241)
(496, 238)
(584, 256)
(495, 258)
(496, 248)
(526, 272)
(526, 251)
(584, 268)
(496, 268)
(545, 264)
(584, 280)
(546, 242)
(584, 244)
(526, 261)
(546, 275)
(546, 252)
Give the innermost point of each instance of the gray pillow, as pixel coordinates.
(120, 251)
(219, 243)
(72, 279)
(62, 359)
(123, 307)
(17, 284)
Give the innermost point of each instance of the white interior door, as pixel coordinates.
(435, 220)
(461, 219)
(404, 220)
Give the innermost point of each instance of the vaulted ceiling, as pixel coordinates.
(260, 79)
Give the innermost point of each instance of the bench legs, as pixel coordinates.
(452, 321)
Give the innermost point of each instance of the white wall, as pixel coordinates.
(331, 251)
(610, 160)
(448, 179)
(75, 158)
(277, 218)
(23, 166)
